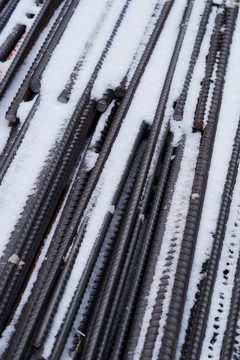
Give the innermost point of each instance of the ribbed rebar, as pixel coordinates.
(66, 92)
(23, 90)
(7, 12)
(116, 312)
(174, 317)
(11, 41)
(204, 300)
(152, 220)
(32, 223)
(36, 76)
(41, 20)
(211, 61)
(233, 316)
(141, 305)
(178, 112)
(66, 326)
(15, 141)
(93, 337)
(3, 3)
(50, 269)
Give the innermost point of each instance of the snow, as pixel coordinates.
(20, 17)
(173, 233)
(51, 115)
(185, 126)
(227, 125)
(9, 330)
(84, 39)
(135, 21)
(12, 89)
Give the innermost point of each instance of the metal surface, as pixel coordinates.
(174, 318)
(94, 336)
(178, 111)
(31, 36)
(11, 41)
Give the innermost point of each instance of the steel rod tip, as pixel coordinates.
(11, 117)
(35, 86)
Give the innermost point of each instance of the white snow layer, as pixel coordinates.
(52, 117)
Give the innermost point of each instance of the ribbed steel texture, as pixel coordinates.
(211, 60)
(153, 256)
(11, 41)
(32, 226)
(204, 299)
(15, 141)
(93, 337)
(23, 91)
(32, 35)
(68, 10)
(109, 237)
(178, 112)
(233, 317)
(173, 322)
(7, 9)
(50, 268)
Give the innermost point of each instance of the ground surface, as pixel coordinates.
(104, 42)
